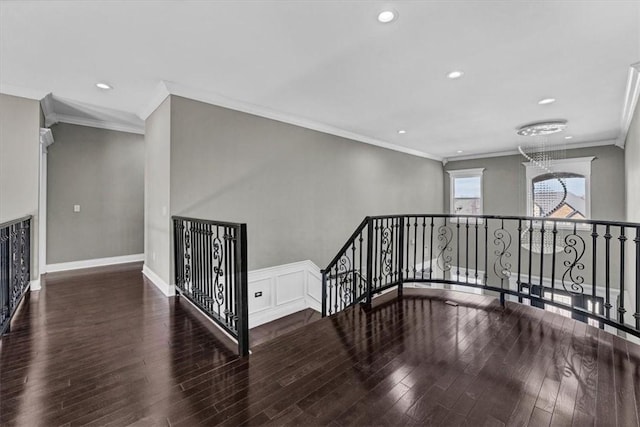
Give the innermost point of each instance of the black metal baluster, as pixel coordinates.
(594, 264)
(553, 261)
(623, 239)
(542, 231)
(519, 281)
(375, 255)
(607, 253)
(360, 239)
(407, 237)
(353, 270)
(324, 292)
(530, 257)
(636, 315)
(227, 243)
(401, 239)
(415, 246)
(466, 240)
(458, 249)
(431, 252)
(476, 251)
(486, 251)
(369, 261)
(424, 235)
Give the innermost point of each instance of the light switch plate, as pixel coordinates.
(76, 208)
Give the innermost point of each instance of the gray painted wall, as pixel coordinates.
(157, 237)
(504, 183)
(301, 192)
(19, 163)
(103, 172)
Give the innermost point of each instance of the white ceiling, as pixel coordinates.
(331, 63)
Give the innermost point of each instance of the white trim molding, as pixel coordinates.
(167, 88)
(164, 287)
(631, 95)
(90, 263)
(100, 124)
(572, 146)
(35, 285)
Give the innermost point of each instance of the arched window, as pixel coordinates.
(560, 190)
(559, 195)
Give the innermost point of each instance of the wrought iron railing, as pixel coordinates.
(589, 268)
(15, 262)
(210, 259)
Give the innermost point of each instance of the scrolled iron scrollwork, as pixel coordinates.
(344, 280)
(218, 271)
(501, 266)
(445, 236)
(386, 250)
(571, 280)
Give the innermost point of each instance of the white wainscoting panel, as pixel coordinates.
(275, 292)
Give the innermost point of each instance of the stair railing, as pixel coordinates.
(590, 268)
(210, 259)
(15, 271)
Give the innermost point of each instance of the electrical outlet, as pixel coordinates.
(76, 208)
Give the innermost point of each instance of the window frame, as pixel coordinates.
(577, 165)
(465, 173)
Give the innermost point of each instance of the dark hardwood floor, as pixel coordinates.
(106, 348)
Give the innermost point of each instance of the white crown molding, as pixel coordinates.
(50, 116)
(631, 95)
(101, 124)
(572, 146)
(208, 97)
(22, 92)
(159, 95)
(90, 263)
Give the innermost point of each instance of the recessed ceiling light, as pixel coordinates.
(459, 151)
(568, 137)
(455, 74)
(402, 131)
(105, 86)
(546, 101)
(387, 16)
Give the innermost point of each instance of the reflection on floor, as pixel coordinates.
(284, 325)
(106, 348)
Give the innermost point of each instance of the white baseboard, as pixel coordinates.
(89, 263)
(35, 285)
(165, 288)
(285, 290)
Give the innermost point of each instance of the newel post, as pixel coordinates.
(369, 262)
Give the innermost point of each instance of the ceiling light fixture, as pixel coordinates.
(568, 137)
(459, 151)
(387, 16)
(546, 101)
(455, 74)
(542, 128)
(402, 131)
(103, 86)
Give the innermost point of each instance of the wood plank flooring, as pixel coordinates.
(106, 348)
